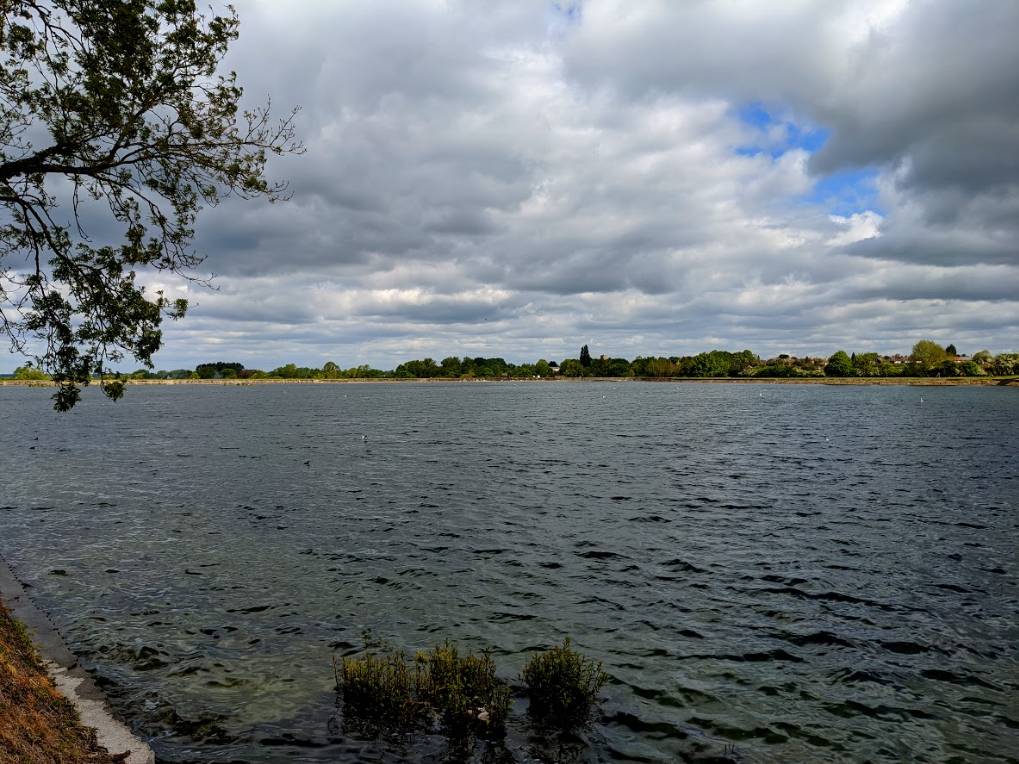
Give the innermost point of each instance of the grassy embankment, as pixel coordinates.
(37, 724)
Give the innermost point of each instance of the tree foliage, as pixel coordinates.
(719, 363)
(118, 108)
(610, 367)
(30, 373)
(571, 367)
(839, 365)
(1006, 364)
(218, 369)
(927, 355)
(654, 367)
(867, 364)
(585, 357)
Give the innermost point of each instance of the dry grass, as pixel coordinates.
(37, 724)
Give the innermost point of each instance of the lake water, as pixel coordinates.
(769, 572)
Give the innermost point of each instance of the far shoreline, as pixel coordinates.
(837, 381)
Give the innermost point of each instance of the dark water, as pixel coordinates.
(818, 574)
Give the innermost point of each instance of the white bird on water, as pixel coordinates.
(364, 437)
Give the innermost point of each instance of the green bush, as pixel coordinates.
(380, 691)
(27, 372)
(463, 689)
(563, 686)
(390, 692)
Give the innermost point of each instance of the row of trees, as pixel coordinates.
(927, 359)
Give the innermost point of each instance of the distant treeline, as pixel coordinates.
(928, 359)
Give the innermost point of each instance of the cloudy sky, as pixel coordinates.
(520, 178)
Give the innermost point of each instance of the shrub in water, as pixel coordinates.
(464, 690)
(563, 686)
(391, 692)
(380, 691)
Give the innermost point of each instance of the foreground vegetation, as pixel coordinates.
(444, 690)
(562, 686)
(37, 724)
(389, 691)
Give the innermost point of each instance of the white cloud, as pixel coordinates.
(499, 178)
(857, 227)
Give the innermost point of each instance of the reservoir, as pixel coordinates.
(767, 572)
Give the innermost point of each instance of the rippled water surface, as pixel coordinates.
(794, 573)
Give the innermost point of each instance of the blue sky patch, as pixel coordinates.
(846, 192)
(797, 136)
(841, 193)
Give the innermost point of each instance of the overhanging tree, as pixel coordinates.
(120, 105)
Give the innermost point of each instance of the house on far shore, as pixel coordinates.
(554, 367)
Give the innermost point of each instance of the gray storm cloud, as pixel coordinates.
(521, 178)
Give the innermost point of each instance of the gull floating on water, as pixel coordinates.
(364, 438)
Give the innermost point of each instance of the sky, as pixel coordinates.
(522, 178)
